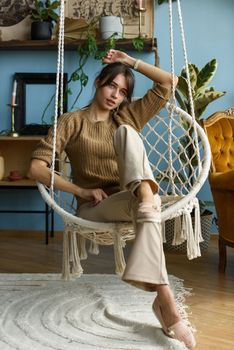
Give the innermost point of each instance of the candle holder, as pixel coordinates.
(13, 132)
(139, 6)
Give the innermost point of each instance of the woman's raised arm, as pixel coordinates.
(154, 73)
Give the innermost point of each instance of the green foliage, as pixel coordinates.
(138, 43)
(44, 11)
(202, 94)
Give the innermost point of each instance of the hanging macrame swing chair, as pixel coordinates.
(179, 154)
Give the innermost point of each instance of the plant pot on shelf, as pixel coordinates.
(110, 25)
(206, 219)
(41, 30)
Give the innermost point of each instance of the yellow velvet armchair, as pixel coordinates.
(219, 128)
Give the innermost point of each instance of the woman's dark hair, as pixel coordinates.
(109, 72)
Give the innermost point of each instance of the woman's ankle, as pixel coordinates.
(166, 301)
(144, 192)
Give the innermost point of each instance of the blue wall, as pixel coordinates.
(209, 29)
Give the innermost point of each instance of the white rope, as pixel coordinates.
(188, 80)
(62, 14)
(171, 111)
(172, 55)
(59, 82)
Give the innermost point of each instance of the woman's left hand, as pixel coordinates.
(115, 56)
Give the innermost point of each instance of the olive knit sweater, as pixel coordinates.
(89, 145)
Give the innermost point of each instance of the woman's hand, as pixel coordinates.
(116, 56)
(154, 73)
(95, 195)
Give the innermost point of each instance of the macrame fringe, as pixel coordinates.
(197, 226)
(185, 230)
(163, 227)
(179, 233)
(119, 255)
(187, 226)
(71, 258)
(94, 248)
(82, 247)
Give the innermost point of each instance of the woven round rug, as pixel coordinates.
(93, 312)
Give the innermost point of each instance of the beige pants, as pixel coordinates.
(146, 265)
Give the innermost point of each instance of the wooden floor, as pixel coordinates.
(212, 302)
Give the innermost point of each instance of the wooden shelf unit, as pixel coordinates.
(48, 45)
(16, 152)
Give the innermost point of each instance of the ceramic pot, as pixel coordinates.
(41, 30)
(2, 168)
(110, 25)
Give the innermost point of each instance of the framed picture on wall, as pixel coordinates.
(34, 113)
(132, 15)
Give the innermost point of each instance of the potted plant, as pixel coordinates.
(43, 15)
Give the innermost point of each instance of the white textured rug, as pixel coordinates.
(94, 312)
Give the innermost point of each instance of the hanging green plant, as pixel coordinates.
(138, 43)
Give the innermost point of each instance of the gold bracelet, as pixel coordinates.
(136, 64)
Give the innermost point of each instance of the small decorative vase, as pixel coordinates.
(1, 167)
(15, 175)
(110, 25)
(41, 30)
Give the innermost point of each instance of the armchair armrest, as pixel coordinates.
(222, 181)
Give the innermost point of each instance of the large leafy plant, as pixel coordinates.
(202, 93)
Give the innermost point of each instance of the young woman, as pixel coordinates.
(112, 179)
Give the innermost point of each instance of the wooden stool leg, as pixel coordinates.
(222, 255)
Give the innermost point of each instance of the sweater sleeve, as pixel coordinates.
(139, 112)
(65, 130)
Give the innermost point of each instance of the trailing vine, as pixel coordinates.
(88, 48)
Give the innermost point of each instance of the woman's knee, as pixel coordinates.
(123, 132)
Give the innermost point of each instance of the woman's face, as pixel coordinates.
(112, 95)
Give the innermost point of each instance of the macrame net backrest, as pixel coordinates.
(179, 153)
